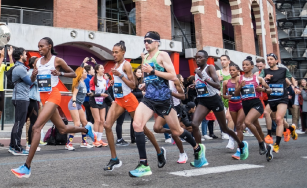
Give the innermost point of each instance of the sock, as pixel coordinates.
(114, 159)
(99, 135)
(270, 132)
(285, 129)
(188, 137)
(160, 153)
(70, 138)
(83, 138)
(197, 149)
(278, 138)
(144, 162)
(140, 143)
(27, 166)
(241, 145)
(291, 128)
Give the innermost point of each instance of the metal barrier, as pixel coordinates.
(23, 15)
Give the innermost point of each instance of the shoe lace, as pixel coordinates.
(138, 168)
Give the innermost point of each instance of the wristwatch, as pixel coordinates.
(152, 72)
(62, 73)
(121, 76)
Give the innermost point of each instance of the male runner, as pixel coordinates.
(207, 87)
(124, 100)
(158, 69)
(278, 100)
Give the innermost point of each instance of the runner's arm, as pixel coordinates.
(266, 88)
(225, 90)
(238, 87)
(130, 81)
(214, 82)
(68, 72)
(180, 95)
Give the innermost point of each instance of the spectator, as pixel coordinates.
(303, 86)
(90, 73)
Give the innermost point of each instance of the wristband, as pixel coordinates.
(152, 72)
(73, 101)
(121, 76)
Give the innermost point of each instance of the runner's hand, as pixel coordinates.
(115, 72)
(146, 68)
(104, 95)
(74, 104)
(227, 96)
(268, 77)
(242, 84)
(259, 89)
(55, 72)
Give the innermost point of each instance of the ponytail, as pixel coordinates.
(49, 41)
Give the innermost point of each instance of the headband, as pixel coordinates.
(152, 36)
(272, 55)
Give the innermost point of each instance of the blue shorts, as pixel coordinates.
(78, 106)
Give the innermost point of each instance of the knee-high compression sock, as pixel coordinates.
(70, 138)
(278, 138)
(188, 137)
(270, 132)
(140, 143)
(83, 138)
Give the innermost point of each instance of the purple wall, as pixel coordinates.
(182, 10)
(184, 69)
(74, 56)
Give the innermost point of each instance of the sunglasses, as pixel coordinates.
(150, 41)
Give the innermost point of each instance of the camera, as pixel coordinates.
(90, 59)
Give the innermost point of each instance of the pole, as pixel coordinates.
(4, 78)
(263, 31)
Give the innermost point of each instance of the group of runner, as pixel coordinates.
(162, 94)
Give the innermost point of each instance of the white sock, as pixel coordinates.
(99, 135)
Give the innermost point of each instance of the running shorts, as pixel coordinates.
(274, 104)
(161, 108)
(235, 106)
(252, 103)
(53, 96)
(128, 102)
(213, 103)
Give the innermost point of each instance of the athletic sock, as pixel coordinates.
(160, 153)
(83, 138)
(270, 132)
(114, 159)
(99, 136)
(197, 149)
(27, 166)
(140, 143)
(186, 135)
(70, 138)
(285, 129)
(144, 162)
(278, 138)
(241, 145)
(291, 128)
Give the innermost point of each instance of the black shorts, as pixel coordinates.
(213, 103)
(252, 103)
(265, 102)
(93, 104)
(274, 104)
(1, 100)
(161, 108)
(178, 109)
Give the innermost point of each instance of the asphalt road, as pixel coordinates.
(56, 167)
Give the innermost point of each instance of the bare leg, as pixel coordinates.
(200, 114)
(250, 118)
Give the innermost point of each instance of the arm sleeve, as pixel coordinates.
(288, 74)
(262, 74)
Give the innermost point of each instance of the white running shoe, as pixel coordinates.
(248, 133)
(86, 145)
(231, 143)
(169, 140)
(183, 158)
(69, 147)
(299, 131)
(28, 148)
(225, 136)
(207, 137)
(203, 139)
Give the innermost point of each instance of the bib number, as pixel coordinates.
(202, 90)
(44, 83)
(99, 100)
(231, 91)
(118, 90)
(277, 89)
(150, 78)
(248, 91)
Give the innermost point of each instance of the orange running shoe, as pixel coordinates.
(97, 144)
(104, 144)
(293, 133)
(268, 139)
(287, 135)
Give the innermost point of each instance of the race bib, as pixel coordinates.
(277, 89)
(202, 90)
(231, 91)
(150, 78)
(99, 100)
(248, 91)
(44, 83)
(118, 90)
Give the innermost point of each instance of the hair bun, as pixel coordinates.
(122, 42)
(249, 58)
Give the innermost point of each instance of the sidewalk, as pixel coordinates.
(6, 133)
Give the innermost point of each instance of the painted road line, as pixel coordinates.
(214, 170)
(304, 157)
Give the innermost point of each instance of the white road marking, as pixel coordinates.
(304, 157)
(214, 170)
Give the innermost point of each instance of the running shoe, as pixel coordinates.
(29, 146)
(225, 136)
(268, 139)
(207, 137)
(69, 147)
(213, 136)
(169, 140)
(122, 142)
(299, 131)
(86, 145)
(269, 154)
(200, 157)
(183, 158)
(104, 144)
(262, 148)
(248, 133)
(293, 133)
(21, 172)
(140, 170)
(41, 143)
(113, 164)
(90, 132)
(287, 136)
(244, 151)
(276, 148)
(231, 143)
(11, 150)
(162, 158)
(22, 152)
(236, 155)
(97, 144)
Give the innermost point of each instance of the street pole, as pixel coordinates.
(4, 86)
(263, 31)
